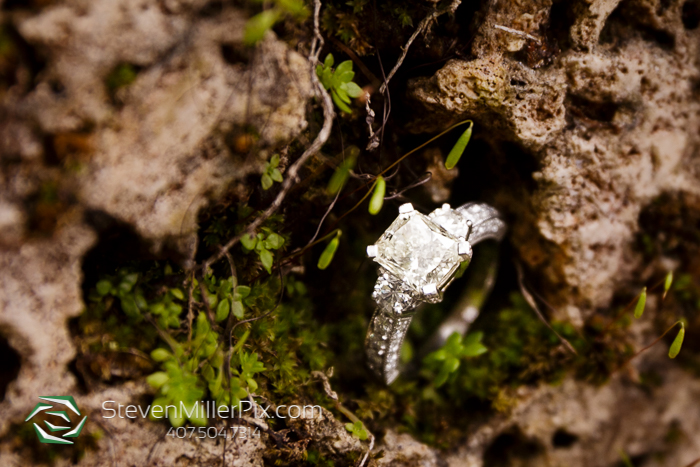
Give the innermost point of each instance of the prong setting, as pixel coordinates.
(464, 249)
(406, 208)
(372, 251)
(430, 290)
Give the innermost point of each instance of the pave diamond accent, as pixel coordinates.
(418, 251)
(384, 339)
(393, 294)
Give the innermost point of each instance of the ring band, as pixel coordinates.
(419, 257)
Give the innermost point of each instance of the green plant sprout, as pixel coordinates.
(258, 25)
(459, 147)
(342, 172)
(372, 188)
(166, 310)
(377, 199)
(675, 348)
(327, 256)
(446, 360)
(271, 173)
(339, 82)
(262, 243)
(358, 430)
(121, 76)
(641, 303)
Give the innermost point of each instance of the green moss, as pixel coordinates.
(121, 76)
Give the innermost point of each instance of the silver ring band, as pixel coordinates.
(399, 290)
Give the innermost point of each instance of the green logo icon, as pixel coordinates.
(60, 419)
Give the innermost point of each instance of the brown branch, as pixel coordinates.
(422, 26)
(292, 173)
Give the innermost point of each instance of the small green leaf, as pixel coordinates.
(452, 364)
(667, 283)
(459, 147)
(327, 78)
(266, 259)
(157, 308)
(474, 350)
(177, 293)
(329, 61)
(343, 95)
(157, 379)
(327, 256)
(249, 241)
(252, 385)
(258, 25)
(339, 102)
(238, 310)
(266, 181)
(243, 290)
(128, 282)
(275, 161)
(222, 310)
(441, 378)
(274, 241)
(208, 373)
(344, 77)
(196, 418)
(129, 306)
(677, 343)
(377, 199)
(276, 175)
(160, 355)
(295, 7)
(340, 176)
(103, 287)
(639, 308)
(344, 67)
(353, 90)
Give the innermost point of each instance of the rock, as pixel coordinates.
(148, 152)
(39, 292)
(612, 124)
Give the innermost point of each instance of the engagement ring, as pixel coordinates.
(418, 258)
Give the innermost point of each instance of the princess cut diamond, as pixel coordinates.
(418, 251)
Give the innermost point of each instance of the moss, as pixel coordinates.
(121, 76)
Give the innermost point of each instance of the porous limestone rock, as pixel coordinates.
(149, 154)
(612, 122)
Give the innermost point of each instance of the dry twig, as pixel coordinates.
(422, 26)
(517, 33)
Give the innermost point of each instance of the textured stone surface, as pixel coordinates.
(149, 155)
(142, 442)
(613, 122)
(154, 158)
(575, 424)
(39, 291)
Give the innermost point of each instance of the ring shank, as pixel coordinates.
(383, 343)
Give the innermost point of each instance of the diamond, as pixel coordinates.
(391, 293)
(418, 251)
(451, 220)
